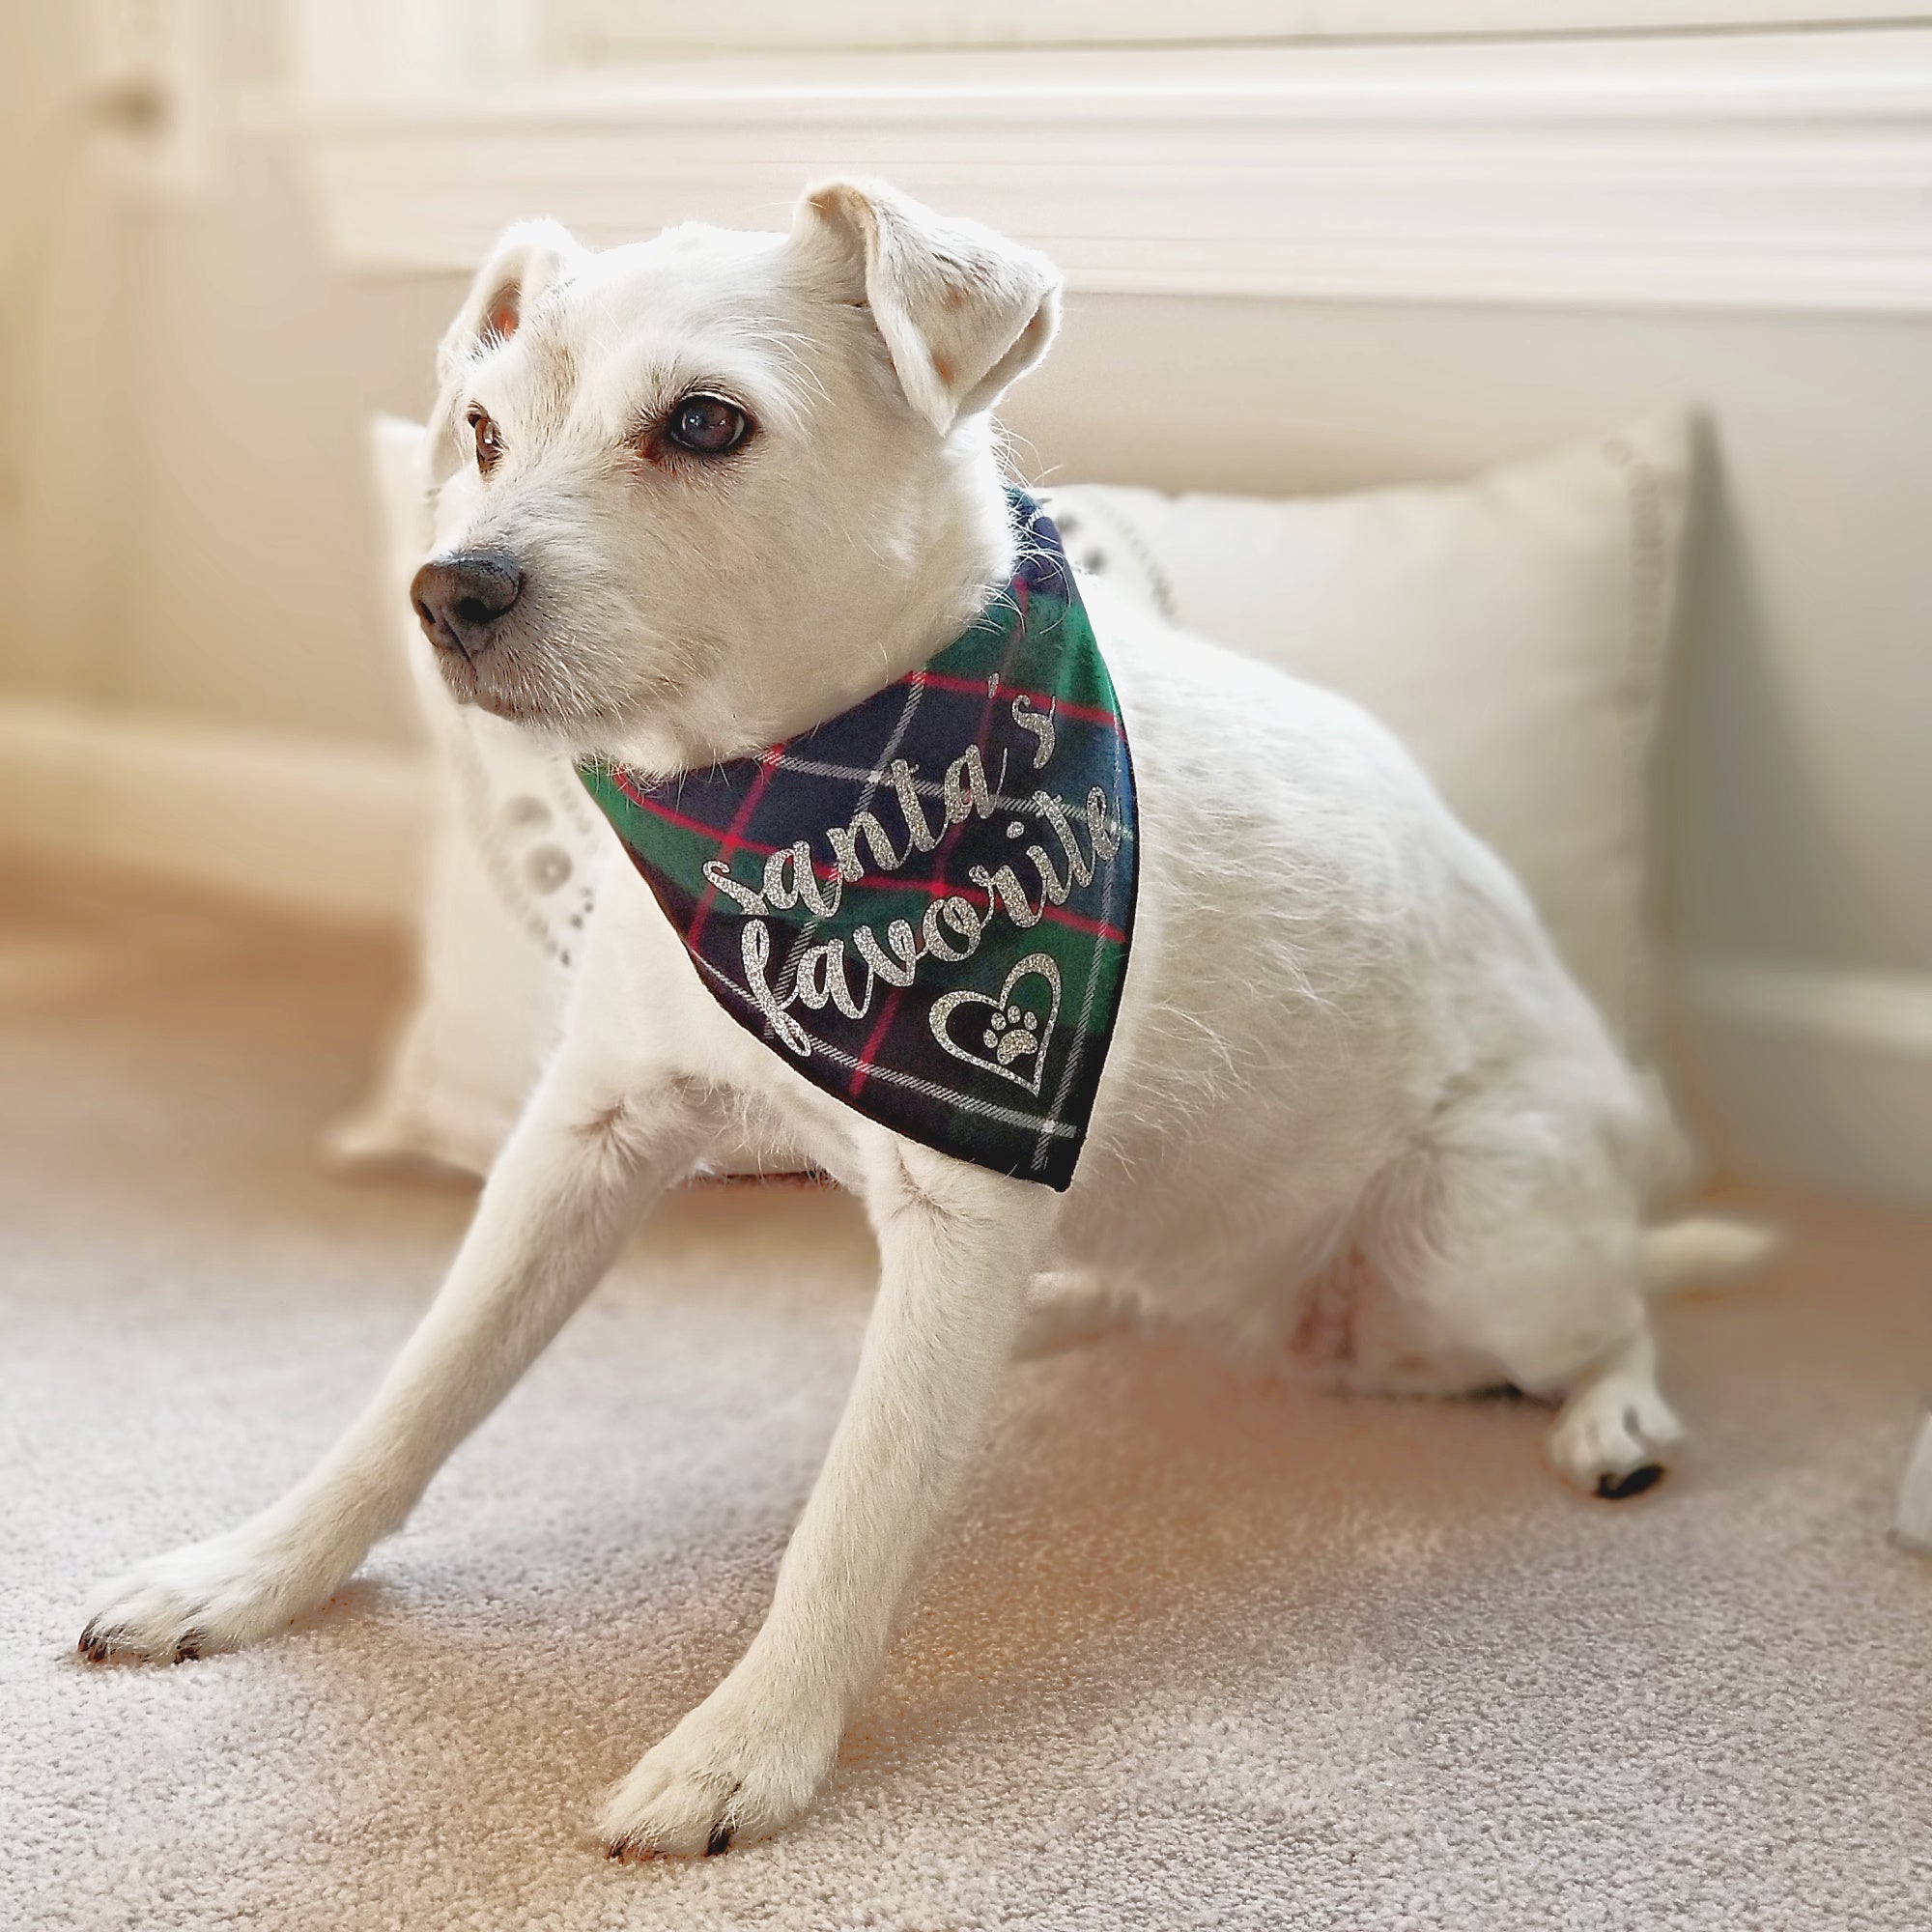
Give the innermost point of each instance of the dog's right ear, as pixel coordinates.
(528, 258)
(964, 312)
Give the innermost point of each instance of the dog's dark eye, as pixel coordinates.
(489, 443)
(708, 425)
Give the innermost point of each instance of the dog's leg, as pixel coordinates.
(572, 1181)
(1525, 1253)
(1616, 1426)
(958, 1247)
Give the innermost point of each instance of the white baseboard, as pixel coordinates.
(1806, 1073)
(1816, 1074)
(313, 826)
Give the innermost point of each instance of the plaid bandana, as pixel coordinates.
(924, 904)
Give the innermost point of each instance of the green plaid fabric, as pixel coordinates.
(925, 905)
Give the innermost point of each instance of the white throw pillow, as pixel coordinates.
(1511, 629)
(513, 855)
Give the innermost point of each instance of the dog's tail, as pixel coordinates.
(1706, 1247)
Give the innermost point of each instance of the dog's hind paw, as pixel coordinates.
(740, 1767)
(223, 1594)
(1613, 1439)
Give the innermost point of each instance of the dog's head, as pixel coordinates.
(696, 493)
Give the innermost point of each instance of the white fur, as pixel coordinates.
(1357, 1119)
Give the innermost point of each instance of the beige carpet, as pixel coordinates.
(1199, 1656)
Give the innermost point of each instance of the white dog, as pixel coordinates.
(698, 494)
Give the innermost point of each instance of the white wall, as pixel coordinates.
(62, 256)
(197, 541)
(1800, 796)
(193, 534)
(229, 576)
(249, 593)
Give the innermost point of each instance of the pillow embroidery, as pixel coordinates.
(925, 904)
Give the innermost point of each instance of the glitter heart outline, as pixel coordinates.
(943, 1008)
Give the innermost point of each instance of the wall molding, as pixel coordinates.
(1742, 171)
(324, 829)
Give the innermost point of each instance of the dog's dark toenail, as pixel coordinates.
(720, 1840)
(188, 1648)
(1620, 1489)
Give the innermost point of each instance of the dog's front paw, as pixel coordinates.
(741, 1766)
(223, 1594)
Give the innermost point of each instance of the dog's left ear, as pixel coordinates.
(529, 259)
(963, 311)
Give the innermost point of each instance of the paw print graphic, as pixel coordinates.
(1011, 1034)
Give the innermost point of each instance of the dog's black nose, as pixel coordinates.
(461, 599)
